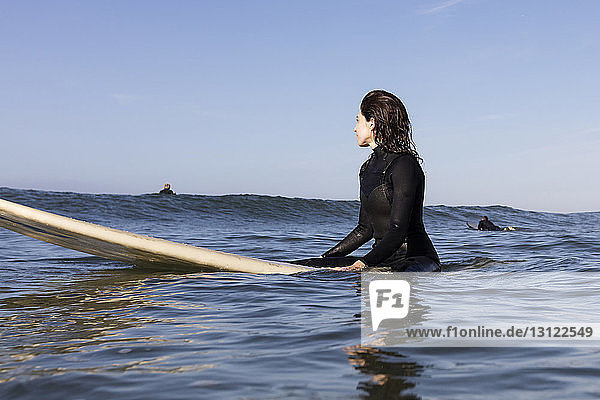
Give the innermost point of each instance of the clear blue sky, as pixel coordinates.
(261, 96)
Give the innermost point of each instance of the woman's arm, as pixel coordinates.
(359, 236)
(405, 179)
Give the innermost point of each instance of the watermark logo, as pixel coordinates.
(469, 309)
(389, 300)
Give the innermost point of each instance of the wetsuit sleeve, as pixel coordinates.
(480, 226)
(359, 236)
(405, 182)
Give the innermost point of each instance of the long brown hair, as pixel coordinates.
(393, 131)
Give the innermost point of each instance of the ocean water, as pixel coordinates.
(80, 327)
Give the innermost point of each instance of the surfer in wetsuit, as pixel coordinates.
(486, 225)
(167, 189)
(392, 188)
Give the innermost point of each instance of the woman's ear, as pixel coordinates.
(372, 124)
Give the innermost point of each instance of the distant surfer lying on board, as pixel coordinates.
(392, 187)
(486, 225)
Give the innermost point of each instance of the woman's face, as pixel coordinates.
(364, 131)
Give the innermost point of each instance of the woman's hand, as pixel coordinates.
(356, 267)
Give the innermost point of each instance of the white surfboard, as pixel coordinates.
(128, 247)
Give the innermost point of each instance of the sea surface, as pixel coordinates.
(75, 326)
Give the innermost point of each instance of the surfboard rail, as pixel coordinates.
(472, 226)
(120, 245)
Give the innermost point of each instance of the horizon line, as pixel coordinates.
(298, 197)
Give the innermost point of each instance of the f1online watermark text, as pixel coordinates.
(555, 332)
(476, 309)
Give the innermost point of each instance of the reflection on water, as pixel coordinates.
(389, 373)
(95, 315)
(200, 327)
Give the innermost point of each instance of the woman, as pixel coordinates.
(392, 187)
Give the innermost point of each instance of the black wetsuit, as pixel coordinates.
(392, 188)
(487, 225)
(166, 191)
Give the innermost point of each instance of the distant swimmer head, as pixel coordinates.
(484, 218)
(391, 126)
(167, 186)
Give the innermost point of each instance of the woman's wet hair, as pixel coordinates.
(393, 131)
